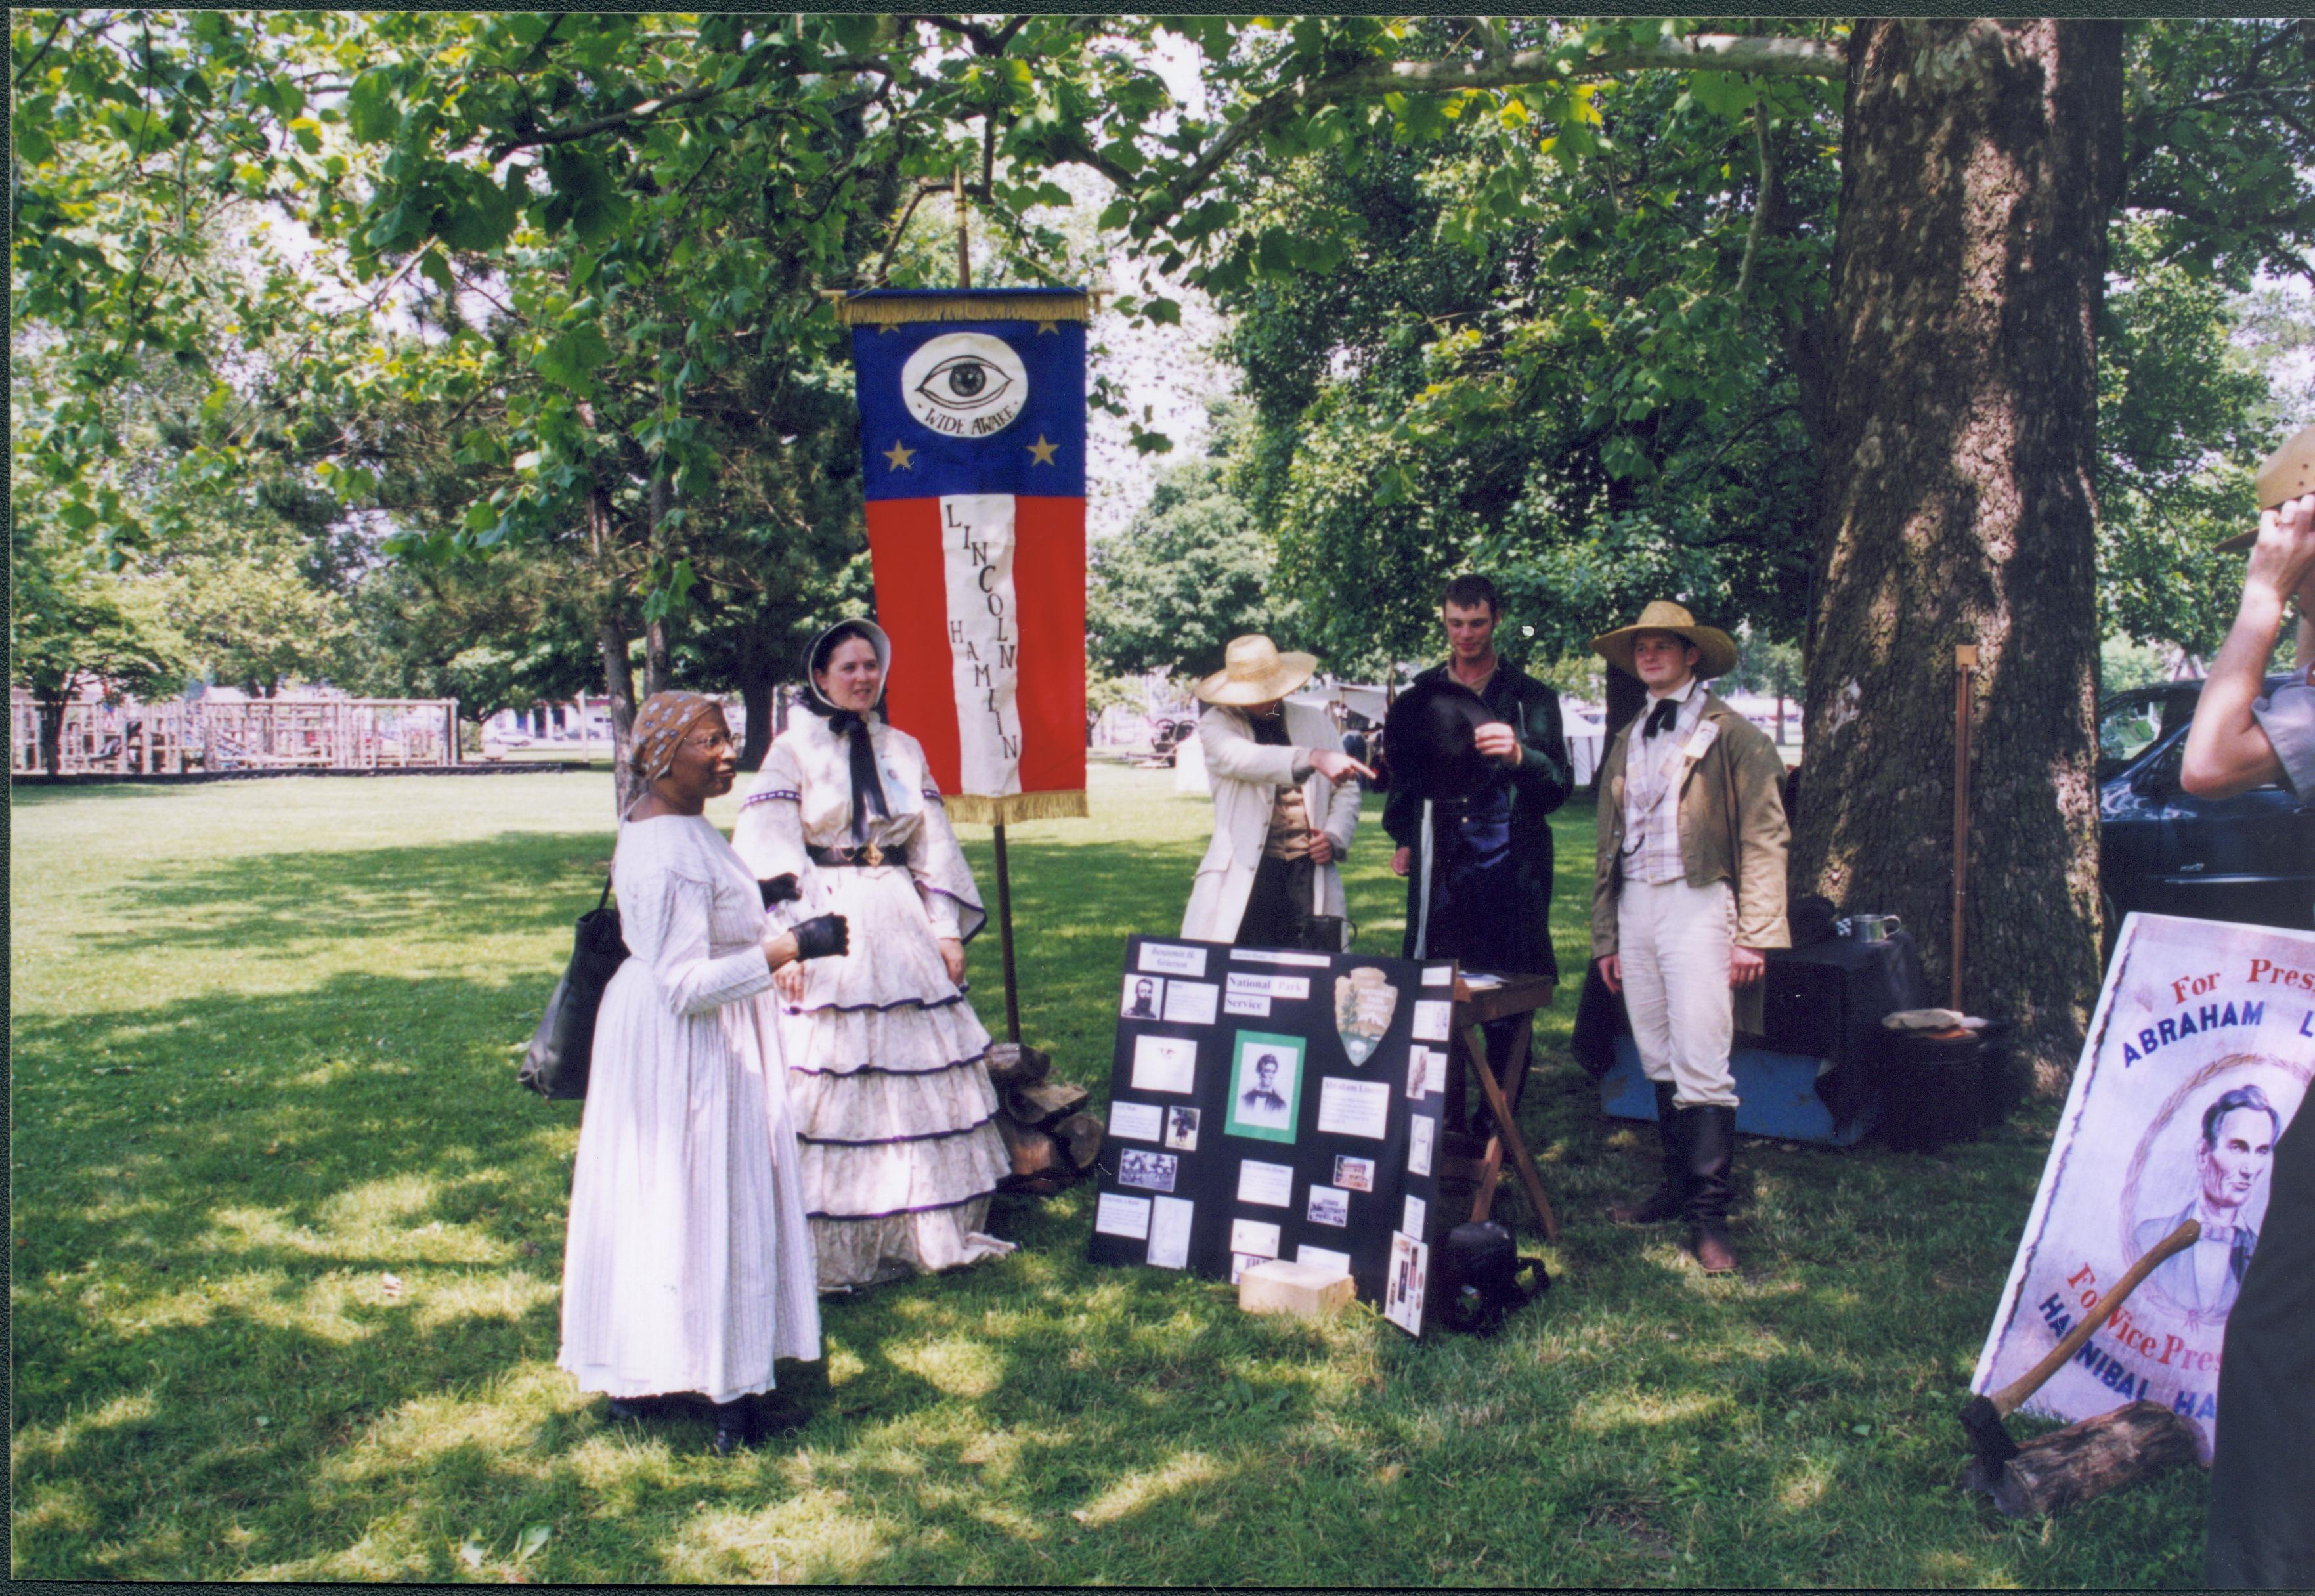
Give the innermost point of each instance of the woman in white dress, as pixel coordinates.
(892, 1098)
(687, 1266)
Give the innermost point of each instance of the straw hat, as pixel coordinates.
(2284, 475)
(1254, 672)
(1719, 649)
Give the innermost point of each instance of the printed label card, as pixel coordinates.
(1191, 1002)
(1266, 1186)
(1169, 1232)
(1136, 1122)
(1349, 1107)
(1119, 1215)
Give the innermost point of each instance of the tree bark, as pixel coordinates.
(1980, 161)
(52, 730)
(611, 640)
(659, 649)
(756, 697)
(1622, 695)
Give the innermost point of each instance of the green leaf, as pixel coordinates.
(533, 1539)
(372, 115)
(434, 268)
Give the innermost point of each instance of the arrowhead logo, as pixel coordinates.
(1364, 1003)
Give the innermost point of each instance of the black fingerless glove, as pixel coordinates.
(780, 889)
(820, 938)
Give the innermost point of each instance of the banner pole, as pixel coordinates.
(1004, 872)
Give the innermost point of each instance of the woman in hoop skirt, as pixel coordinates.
(892, 1103)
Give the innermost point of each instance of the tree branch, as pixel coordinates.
(25, 71)
(644, 110)
(1718, 52)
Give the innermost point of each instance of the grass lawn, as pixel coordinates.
(286, 1241)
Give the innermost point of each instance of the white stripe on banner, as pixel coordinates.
(984, 639)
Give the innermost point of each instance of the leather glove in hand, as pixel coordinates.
(820, 938)
(780, 889)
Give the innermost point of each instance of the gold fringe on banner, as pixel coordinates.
(991, 307)
(1006, 809)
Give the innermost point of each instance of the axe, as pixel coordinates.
(1981, 1416)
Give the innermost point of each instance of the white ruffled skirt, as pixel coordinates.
(891, 1100)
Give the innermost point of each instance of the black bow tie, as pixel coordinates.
(1661, 716)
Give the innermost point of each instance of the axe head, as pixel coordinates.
(1988, 1437)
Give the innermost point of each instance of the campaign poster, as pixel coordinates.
(2199, 1055)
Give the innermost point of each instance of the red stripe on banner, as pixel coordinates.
(904, 549)
(1049, 582)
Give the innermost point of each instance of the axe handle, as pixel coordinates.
(2006, 1400)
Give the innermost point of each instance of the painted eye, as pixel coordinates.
(965, 383)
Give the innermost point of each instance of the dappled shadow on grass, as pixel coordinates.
(214, 1376)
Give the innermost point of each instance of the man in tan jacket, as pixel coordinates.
(1688, 889)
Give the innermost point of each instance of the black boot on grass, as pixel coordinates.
(1669, 1201)
(1710, 1135)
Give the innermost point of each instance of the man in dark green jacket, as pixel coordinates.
(1490, 854)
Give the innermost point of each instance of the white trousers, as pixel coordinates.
(1675, 941)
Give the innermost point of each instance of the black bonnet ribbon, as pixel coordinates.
(867, 786)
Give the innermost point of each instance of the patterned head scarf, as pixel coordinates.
(659, 726)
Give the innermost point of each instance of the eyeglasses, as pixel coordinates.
(713, 740)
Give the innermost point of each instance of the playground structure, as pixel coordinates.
(252, 735)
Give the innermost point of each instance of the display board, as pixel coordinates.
(2199, 1056)
(1265, 1104)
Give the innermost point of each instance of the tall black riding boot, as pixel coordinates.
(1669, 1201)
(1710, 1139)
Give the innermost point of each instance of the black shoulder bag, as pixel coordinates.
(555, 1065)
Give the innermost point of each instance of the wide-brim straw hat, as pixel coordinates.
(1253, 671)
(1717, 648)
(1430, 737)
(2285, 475)
(877, 640)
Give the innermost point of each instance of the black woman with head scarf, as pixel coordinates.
(688, 1268)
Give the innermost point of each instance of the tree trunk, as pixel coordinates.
(52, 730)
(658, 648)
(1979, 163)
(611, 640)
(755, 696)
(1622, 695)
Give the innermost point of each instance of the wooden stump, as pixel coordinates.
(1033, 1152)
(1079, 1135)
(2088, 1459)
(1014, 1063)
(1042, 1102)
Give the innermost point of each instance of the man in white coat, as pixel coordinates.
(1284, 807)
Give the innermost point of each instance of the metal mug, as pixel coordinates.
(1876, 927)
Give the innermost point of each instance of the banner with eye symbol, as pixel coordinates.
(973, 435)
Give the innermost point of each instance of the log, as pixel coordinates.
(1014, 1063)
(1041, 1102)
(2088, 1459)
(1033, 1152)
(1079, 1135)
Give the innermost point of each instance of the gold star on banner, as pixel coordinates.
(1045, 327)
(887, 327)
(1041, 452)
(898, 456)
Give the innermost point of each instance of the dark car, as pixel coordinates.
(2250, 858)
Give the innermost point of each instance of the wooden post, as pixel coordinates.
(1964, 670)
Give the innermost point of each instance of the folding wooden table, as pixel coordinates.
(1465, 1156)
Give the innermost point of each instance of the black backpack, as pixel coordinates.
(1479, 1269)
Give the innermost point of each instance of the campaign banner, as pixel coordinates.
(2199, 1055)
(972, 433)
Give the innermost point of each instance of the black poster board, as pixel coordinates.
(1272, 1103)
